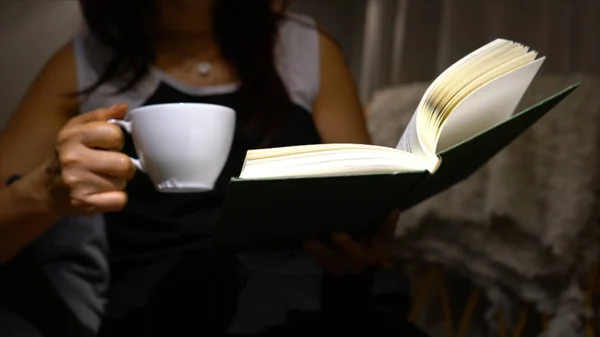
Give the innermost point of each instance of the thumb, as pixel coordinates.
(386, 232)
(101, 115)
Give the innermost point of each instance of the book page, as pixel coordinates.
(476, 74)
(321, 160)
(498, 99)
(409, 142)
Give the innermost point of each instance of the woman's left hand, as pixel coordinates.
(352, 257)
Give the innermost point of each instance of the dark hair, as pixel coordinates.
(246, 31)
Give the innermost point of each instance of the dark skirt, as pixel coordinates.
(198, 296)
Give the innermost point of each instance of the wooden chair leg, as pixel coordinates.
(545, 322)
(421, 294)
(590, 285)
(465, 321)
(446, 305)
(521, 323)
(501, 325)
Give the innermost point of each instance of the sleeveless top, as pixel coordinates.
(155, 227)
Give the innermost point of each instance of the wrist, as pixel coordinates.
(43, 193)
(27, 209)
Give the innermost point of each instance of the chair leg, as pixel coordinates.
(465, 321)
(446, 305)
(590, 285)
(521, 323)
(545, 322)
(421, 294)
(501, 326)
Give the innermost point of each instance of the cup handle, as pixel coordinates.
(126, 125)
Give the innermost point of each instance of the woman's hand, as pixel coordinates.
(351, 257)
(86, 174)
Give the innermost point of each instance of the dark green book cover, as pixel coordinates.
(280, 214)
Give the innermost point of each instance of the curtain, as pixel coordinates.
(415, 40)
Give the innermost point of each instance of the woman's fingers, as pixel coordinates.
(99, 115)
(77, 157)
(86, 182)
(94, 193)
(112, 164)
(333, 261)
(325, 258)
(106, 202)
(385, 234)
(384, 239)
(362, 255)
(86, 174)
(352, 257)
(101, 135)
(94, 174)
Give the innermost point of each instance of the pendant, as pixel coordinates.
(203, 68)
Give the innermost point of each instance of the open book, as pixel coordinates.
(286, 195)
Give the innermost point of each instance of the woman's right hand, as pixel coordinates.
(87, 174)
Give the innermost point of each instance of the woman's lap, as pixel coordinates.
(198, 292)
(200, 295)
(13, 325)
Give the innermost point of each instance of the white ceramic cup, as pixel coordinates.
(183, 147)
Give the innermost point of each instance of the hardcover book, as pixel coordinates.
(287, 195)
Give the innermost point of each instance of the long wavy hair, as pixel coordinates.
(246, 31)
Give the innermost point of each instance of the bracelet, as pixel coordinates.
(13, 178)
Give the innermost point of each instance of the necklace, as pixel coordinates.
(204, 68)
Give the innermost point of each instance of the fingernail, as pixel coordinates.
(117, 106)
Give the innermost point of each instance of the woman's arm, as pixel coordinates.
(339, 117)
(337, 110)
(29, 136)
(25, 213)
(25, 142)
(69, 161)
(61, 156)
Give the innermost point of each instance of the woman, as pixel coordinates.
(289, 85)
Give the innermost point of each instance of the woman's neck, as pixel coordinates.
(185, 30)
(187, 45)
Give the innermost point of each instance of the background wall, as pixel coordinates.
(418, 49)
(344, 19)
(30, 32)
